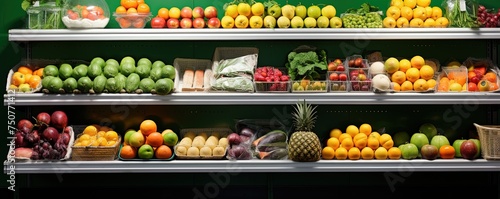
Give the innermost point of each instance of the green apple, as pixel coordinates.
(439, 140)
(428, 129)
(478, 145)
(146, 151)
(314, 11)
(328, 11)
(283, 22)
(301, 11)
(269, 21)
(274, 11)
(24, 87)
(297, 22)
(323, 22)
(288, 11)
(408, 151)
(335, 22)
(419, 140)
(170, 138)
(456, 145)
(310, 22)
(128, 133)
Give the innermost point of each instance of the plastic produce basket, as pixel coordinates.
(183, 64)
(190, 132)
(489, 136)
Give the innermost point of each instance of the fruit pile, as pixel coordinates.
(268, 78)
(480, 75)
(95, 135)
(366, 16)
(186, 17)
(453, 79)
(487, 17)
(80, 12)
(110, 76)
(337, 77)
(306, 85)
(203, 145)
(24, 79)
(148, 142)
(132, 13)
(270, 14)
(414, 14)
(359, 143)
(416, 74)
(46, 139)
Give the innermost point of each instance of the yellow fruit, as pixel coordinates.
(374, 134)
(232, 11)
(402, 22)
(397, 3)
(354, 153)
(436, 13)
(412, 74)
(394, 153)
(455, 87)
(328, 153)
(373, 142)
(416, 23)
(85, 142)
(394, 12)
(244, 9)
(102, 141)
(386, 141)
(398, 77)
(366, 129)
(420, 85)
(407, 13)
(344, 136)
(335, 133)
(101, 134)
(347, 143)
(367, 153)
(431, 83)
(407, 86)
(428, 12)
(111, 143)
(420, 13)
(410, 3)
(333, 142)
(442, 22)
(84, 137)
(257, 9)
(426, 72)
(429, 23)
(111, 135)
(90, 130)
(341, 153)
(423, 3)
(381, 153)
(396, 86)
(352, 130)
(404, 65)
(360, 140)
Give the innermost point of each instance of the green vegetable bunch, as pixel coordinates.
(25, 4)
(364, 9)
(306, 65)
(462, 17)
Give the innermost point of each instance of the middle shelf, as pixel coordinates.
(202, 98)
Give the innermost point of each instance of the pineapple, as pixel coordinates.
(304, 145)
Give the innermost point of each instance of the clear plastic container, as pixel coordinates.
(86, 14)
(47, 16)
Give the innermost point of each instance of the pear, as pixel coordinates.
(288, 11)
(269, 21)
(283, 22)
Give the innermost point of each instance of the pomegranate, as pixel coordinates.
(59, 120)
(24, 123)
(43, 118)
(51, 134)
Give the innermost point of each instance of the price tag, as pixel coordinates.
(463, 7)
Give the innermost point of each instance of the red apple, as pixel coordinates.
(332, 66)
(173, 23)
(213, 22)
(468, 149)
(186, 12)
(199, 22)
(186, 23)
(158, 22)
(340, 68)
(198, 12)
(429, 152)
(472, 87)
(354, 73)
(474, 79)
(342, 77)
(210, 12)
(334, 77)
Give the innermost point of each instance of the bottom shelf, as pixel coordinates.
(248, 166)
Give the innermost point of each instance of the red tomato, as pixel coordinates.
(158, 22)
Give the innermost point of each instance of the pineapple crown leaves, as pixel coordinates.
(304, 116)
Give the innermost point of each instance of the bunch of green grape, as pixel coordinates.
(370, 20)
(373, 20)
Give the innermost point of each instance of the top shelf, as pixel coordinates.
(252, 34)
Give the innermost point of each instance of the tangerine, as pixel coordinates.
(111, 136)
(447, 151)
(90, 130)
(25, 70)
(354, 153)
(34, 81)
(491, 77)
(154, 139)
(163, 13)
(129, 3)
(143, 8)
(147, 127)
(128, 152)
(163, 152)
(328, 153)
(121, 10)
(38, 72)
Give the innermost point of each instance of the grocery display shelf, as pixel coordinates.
(203, 98)
(252, 34)
(242, 166)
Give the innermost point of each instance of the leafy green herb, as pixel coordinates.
(306, 65)
(364, 9)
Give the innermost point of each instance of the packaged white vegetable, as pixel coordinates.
(243, 65)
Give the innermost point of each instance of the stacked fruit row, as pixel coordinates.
(414, 14)
(186, 17)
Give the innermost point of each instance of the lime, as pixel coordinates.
(85, 84)
(70, 84)
(45, 81)
(127, 59)
(158, 63)
(99, 61)
(144, 61)
(80, 71)
(55, 84)
(111, 62)
(94, 70)
(110, 71)
(65, 71)
(170, 138)
(163, 86)
(428, 129)
(155, 73)
(50, 70)
(143, 70)
(127, 68)
(146, 85)
(168, 71)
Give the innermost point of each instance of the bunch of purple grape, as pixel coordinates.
(488, 18)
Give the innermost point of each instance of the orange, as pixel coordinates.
(111, 136)
(27, 77)
(394, 153)
(398, 77)
(335, 133)
(493, 86)
(447, 151)
(396, 86)
(121, 10)
(360, 140)
(328, 153)
(154, 139)
(373, 142)
(344, 136)
(163, 152)
(347, 143)
(333, 142)
(128, 3)
(18, 78)
(147, 127)
(25, 70)
(34, 81)
(90, 130)
(352, 130)
(140, 1)
(38, 72)
(381, 153)
(412, 74)
(143, 8)
(366, 129)
(128, 152)
(354, 153)
(367, 153)
(341, 153)
(163, 13)
(491, 76)
(131, 11)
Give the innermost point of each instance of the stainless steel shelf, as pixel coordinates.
(253, 34)
(243, 166)
(252, 99)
